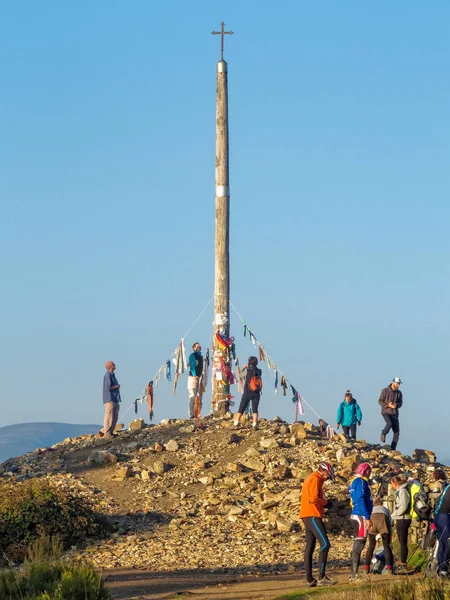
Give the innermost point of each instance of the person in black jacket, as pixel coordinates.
(252, 391)
(391, 399)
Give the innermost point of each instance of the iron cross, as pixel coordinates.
(222, 33)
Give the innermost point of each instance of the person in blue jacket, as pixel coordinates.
(362, 505)
(349, 415)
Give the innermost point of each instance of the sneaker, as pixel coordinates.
(312, 583)
(383, 437)
(235, 423)
(326, 581)
(401, 569)
(358, 579)
(255, 426)
(443, 573)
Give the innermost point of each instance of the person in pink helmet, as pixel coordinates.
(361, 502)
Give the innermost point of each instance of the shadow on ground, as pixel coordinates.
(261, 581)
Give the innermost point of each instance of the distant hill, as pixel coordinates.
(19, 439)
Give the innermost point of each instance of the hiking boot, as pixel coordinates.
(443, 574)
(312, 583)
(255, 426)
(401, 569)
(326, 581)
(383, 437)
(358, 579)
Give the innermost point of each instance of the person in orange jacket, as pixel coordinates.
(312, 506)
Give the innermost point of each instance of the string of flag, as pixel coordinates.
(169, 371)
(297, 399)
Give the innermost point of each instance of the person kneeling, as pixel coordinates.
(381, 523)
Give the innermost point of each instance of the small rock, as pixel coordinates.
(284, 525)
(200, 465)
(234, 439)
(172, 446)
(236, 510)
(234, 467)
(159, 467)
(269, 443)
(340, 455)
(157, 447)
(254, 465)
(137, 424)
(145, 475)
(206, 480)
(102, 457)
(124, 473)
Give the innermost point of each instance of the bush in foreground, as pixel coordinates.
(45, 576)
(37, 508)
(44, 581)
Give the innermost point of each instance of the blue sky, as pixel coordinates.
(339, 126)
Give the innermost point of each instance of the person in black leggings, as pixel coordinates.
(252, 391)
(381, 523)
(402, 517)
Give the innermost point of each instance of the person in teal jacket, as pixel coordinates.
(349, 415)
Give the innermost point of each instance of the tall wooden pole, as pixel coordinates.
(221, 355)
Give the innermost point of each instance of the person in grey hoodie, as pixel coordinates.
(402, 516)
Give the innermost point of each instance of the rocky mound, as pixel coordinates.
(215, 499)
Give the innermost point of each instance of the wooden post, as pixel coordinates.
(220, 402)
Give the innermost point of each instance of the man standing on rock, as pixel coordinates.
(111, 400)
(195, 387)
(391, 399)
(312, 505)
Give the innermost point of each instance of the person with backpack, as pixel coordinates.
(312, 507)
(440, 481)
(420, 506)
(402, 517)
(381, 524)
(349, 415)
(252, 391)
(391, 399)
(361, 502)
(442, 524)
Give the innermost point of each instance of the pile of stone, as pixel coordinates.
(216, 498)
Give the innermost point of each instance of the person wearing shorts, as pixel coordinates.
(362, 505)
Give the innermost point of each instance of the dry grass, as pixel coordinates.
(409, 589)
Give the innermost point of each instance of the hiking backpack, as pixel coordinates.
(420, 504)
(255, 384)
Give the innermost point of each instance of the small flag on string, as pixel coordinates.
(300, 404)
(276, 379)
(330, 432)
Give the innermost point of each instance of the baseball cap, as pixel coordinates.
(397, 380)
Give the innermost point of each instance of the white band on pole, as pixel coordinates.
(222, 191)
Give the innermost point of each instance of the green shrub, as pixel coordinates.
(46, 581)
(35, 508)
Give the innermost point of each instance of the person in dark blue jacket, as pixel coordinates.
(349, 415)
(442, 524)
(362, 506)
